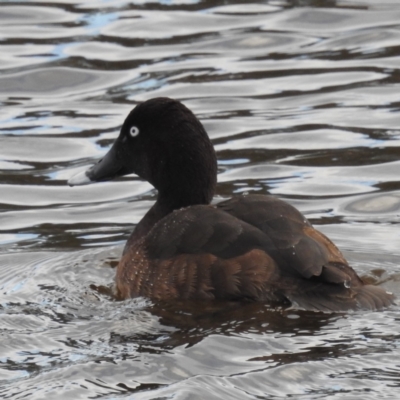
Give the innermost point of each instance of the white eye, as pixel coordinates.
(134, 131)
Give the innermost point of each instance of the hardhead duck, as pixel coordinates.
(254, 247)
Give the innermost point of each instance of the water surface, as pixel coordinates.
(301, 100)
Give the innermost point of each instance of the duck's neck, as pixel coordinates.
(152, 216)
(162, 207)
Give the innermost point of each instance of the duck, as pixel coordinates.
(252, 247)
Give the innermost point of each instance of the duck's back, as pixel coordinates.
(250, 247)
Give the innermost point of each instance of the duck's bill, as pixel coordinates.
(106, 169)
(81, 178)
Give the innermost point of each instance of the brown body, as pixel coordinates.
(253, 247)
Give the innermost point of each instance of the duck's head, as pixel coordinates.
(164, 143)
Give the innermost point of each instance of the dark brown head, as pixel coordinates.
(164, 143)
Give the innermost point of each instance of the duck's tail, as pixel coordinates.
(333, 299)
(373, 298)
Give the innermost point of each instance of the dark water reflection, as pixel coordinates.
(300, 98)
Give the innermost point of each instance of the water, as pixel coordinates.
(300, 98)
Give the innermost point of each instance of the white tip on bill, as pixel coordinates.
(79, 179)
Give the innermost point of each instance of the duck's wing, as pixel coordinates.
(302, 249)
(298, 246)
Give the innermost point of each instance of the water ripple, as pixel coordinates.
(300, 99)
